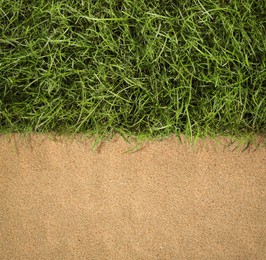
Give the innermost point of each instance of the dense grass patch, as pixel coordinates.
(134, 67)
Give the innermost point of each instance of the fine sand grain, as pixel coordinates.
(61, 200)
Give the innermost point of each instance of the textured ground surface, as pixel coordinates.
(60, 200)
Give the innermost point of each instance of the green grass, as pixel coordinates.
(133, 67)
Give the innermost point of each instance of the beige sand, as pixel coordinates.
(61, 200)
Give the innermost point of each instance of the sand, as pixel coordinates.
(62, 200)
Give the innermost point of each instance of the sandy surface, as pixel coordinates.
(61, 200)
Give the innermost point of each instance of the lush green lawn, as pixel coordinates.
(134, 67)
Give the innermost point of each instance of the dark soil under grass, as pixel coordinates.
(133, 67)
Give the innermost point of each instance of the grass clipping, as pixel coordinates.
(143, 68)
